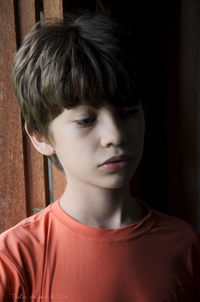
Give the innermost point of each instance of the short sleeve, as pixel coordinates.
(11, 284)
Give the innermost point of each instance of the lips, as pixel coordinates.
(114, 159)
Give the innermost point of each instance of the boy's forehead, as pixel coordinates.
(105, 105)
(77, 109)
(89, 108)
(85, 108)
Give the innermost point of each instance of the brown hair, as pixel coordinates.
(65, 63)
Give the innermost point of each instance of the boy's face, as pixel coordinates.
(85, 137)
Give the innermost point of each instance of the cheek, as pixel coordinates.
(75, 149)
(137, 130)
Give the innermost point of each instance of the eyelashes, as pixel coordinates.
(124, 113)
(86, 122)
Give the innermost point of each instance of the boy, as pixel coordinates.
(79, 97)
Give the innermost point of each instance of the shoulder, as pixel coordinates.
(176, 228)
(22, 250)
(27, 224)
(27, 236)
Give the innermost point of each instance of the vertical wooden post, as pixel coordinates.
(53, 8)
(34, 164)
(12, 181)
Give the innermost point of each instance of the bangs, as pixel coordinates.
(91, 73)
(96, 79)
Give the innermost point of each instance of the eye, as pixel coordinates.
(130, 112)
(86, 122)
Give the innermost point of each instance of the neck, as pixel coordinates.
(99, 207)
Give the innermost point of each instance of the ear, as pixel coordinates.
(41, 144)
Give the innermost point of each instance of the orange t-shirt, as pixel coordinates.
(52, 257)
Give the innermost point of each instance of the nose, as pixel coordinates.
(112, 130)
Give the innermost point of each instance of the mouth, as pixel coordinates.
(116, 162)
(115, 159)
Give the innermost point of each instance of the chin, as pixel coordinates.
(117, 184)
